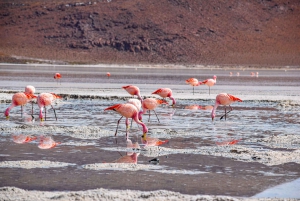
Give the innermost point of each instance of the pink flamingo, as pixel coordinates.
(209, 82)
(224, 99)
(164, 93)
(151, 141)
(193, 82)
(133, 90)
(150, 104)
(237, 74)
(19, 99)
(127, 110)
(30, 90)
(47, 142)
(22, 139)
(57, 76)
(45, 99)
(230, 74)
(129, 158)
(108, 74)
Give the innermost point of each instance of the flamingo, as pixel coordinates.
(128, 158)
(230, 74)
(30, 90)
(47, 142)
(57, 76)
(164, 93)
(45, 99)
(133, 90)
(150, 104)
(193, 82)
(150, 141)
(209, 82)
(108, 74)
(19, 99)
(127, 110)
(224, 99)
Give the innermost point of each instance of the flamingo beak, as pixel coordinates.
(42, 119)
(144, 136)
(212, 118)
(7, 117)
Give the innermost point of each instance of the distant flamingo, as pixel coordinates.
(199, 107)
(151, 141)
(19, 99)
(164, 93)
(21, 138)
(47, 142)
(193, 82)
(132, 158)
(133, 90)
(209, 82)
(45, 99)
(30, 90)
(57, 76)
(230, 142)
(150, 104)
(108, 74)
(224, 99)
(257, 74)
(237, 74)
(127, 110)
(230, 74)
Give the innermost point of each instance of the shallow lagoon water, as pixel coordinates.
(198, 159)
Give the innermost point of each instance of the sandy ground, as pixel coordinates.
(269, 150)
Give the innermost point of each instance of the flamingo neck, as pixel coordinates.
(213, 112)
(173, 99)
(41, 112)
(135, 118)
(8, 109)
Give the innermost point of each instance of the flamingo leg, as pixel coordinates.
(31, 108)
(127, 127)
(54, 112)
(45, 113)
(21, 111)
(118, 125)
(226, 112)
(149, 116)
(156, 116)
(193, 90)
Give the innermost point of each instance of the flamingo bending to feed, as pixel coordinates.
(19, 99)
(193, 82)
(164, 93)
(127, 110)
(209, 82)
(30, 90)
(151, 104)
(133, 90)
(57, 76)
(224, 99)
(45, 99)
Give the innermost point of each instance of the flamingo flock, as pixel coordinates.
(133, 109)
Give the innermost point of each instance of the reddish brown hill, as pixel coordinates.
(254, 32)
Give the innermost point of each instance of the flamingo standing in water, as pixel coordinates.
(57, 76)
(45, 99)
(30, 90)
(108, 74)
(133, 90)
(193, 82)
(19, 99)
(150, 104)
(224, 99)
(209, 82)
(164, 93)
(127, 110)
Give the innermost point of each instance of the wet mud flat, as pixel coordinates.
(255, 149)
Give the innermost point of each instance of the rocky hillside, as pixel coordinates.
(237, 32)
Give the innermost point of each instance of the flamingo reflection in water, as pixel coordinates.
(22, 138)
(47, 142)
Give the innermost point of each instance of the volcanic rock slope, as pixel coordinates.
(237, 32)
